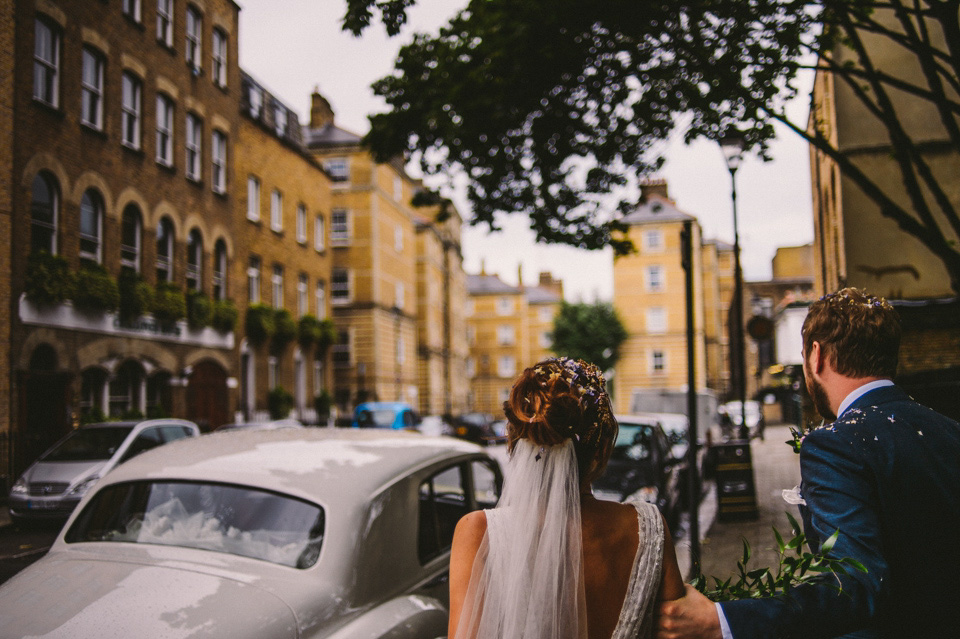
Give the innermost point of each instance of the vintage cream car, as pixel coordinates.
(315, 532)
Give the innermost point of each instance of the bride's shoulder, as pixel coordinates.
(472, 525)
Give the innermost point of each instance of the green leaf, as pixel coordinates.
(829, 543)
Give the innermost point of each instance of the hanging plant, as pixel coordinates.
(136, 296)
(169, 303)
(199, 309)
(259, 323)
(225, 315)
(95, 290)
(327, 335)
(48, 280)
(285, 328)
(308, 330)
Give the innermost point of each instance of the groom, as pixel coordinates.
(885, 473)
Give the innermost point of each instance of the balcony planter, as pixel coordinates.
(327, 335)
(199, 309)
(169, 303)
(49, 280)
(308, 330)
(136, 296)
(225, 315)
(285, 328)
(259, 323)
(279, 403)
(95, 290)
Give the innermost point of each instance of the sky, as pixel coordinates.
(295, 46)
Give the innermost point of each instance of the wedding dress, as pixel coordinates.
(527, 578)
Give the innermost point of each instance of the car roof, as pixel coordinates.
(648, 419)
(143, 423)
(324, 465)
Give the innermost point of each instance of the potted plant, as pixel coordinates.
(49, 280)
(225, 315)
(199, 309)
(259, 323)
(322, 403)
(136, 296)
(169, 303)
(95, 290)
(279, 402)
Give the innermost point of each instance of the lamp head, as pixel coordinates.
(732, 145)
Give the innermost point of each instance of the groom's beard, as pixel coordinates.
(820, 401)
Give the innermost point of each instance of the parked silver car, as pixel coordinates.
(52, 486)
(308, 533)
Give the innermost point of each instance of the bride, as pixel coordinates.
(551, 561)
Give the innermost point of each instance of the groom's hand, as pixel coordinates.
(693, 616)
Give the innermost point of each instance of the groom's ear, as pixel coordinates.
(816, 358)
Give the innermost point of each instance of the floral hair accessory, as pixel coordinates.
(587, 383)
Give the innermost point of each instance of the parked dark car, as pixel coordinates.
(642, 467)
(477, 428)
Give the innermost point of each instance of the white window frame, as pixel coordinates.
(96, 201)
(279, 119)
(276, 210)
(46, 62)
(397, 189)
(655, 279)
(219, 57)
(165, 22)
(253, 279)
(303, 306)
(545, 314)
(131, 9)
(255, 100)
(545, 340)
(506, 366)
(194, 269)
(653, 241)
(340, 230)
(131, 106)
(320, 299)
(137, 247)
(276, 286)
(398, 238)
(341, 292)
(218, 161)
(91, 88)
(399, 294)
(339, 170)
(194, 147)
(219, 276)
(253, 198)
(506, 335)
(505, 305)
(319, 233)
(656, 320)
(655, 355)
(165, 263)
(165, 129)
(301, 223)
(193, 52)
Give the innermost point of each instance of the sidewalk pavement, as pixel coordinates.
(775, 467)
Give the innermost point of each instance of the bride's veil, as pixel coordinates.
(527, 578)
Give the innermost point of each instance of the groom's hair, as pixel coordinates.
(858, 333)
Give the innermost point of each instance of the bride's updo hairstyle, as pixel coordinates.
(559, 399)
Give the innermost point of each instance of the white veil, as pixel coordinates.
(527, 578)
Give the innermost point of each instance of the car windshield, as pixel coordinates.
(232, 519)
(88, 444)
(377, 418)
(633, 442)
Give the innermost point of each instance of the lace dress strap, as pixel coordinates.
(636, 615)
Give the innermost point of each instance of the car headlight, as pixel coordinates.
(648, 494)
(19, 487)
(81, 489)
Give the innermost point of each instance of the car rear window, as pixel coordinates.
(238, 520)
(87, 444)
(633, 442)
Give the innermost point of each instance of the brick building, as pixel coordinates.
(283, 261)
(124, 120)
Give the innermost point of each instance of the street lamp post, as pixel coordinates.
(732, 146)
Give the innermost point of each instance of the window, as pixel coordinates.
(506, 335)
(165, 250)
(398, 238)
(471, 335)
(280, 119)
(164, 130)
(338, 169)
(46, 63)
(194, 146)
(340, 286)
(91, 89)
(545, 340)
(253, 198)
(655, 283)
(443, 501)
(302, 305)
(44, 212)
(220, 270)
(545, 314)
(194, 261)
(471, 367)
(194, 39)
(276, 286)
(91, 225)
(272, 366)
(124, 395)
(397, 188)
(131, 110)
(399, 293)
(131, 9)
(165, 22)
(253, 280)
(321, 300)
(339, 226)
(301, 223)
(219, 159)
(341, 350)
(656, 320)
(319, 234)
(470, 308)
(317, 377)
(506, 366)
(653, 241)
(219, 58)
(276, 210)
(255, 98)
(504, 306)
(130, 237)
(658, 361)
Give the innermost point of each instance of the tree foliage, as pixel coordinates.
(591, 332)
(554, 108)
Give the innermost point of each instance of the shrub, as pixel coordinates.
(95, 290)
(93, 416)
(279, 402)
(169, 303)
(49, 280)
(322, 404)
(136, 296)
(199, 309)
(225, 315)
(259, 323)
(285, 328)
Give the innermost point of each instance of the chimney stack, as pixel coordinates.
(654, 187)
(320, 112)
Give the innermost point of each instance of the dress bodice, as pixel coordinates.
(636, 615)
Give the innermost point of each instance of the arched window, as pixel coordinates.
(126, 387)
(130, 237)
(164, 250)
(92, 383)
(194, 260)
(44, 205)
(91, 226)
(220, 270)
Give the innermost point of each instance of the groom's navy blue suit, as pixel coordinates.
(886, 474)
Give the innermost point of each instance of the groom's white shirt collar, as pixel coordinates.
(860, 392)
